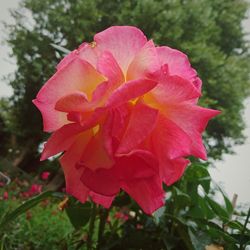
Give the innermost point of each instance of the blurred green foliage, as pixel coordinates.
(209, 32)
(43, 227)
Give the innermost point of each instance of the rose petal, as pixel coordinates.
(145, 62)
(193, 120)
(169, 140)
(103, 200)
(108, 67)
(61, 140)
(52, 119)
(101, 181)
(139, 164)
(141, 123)
(96, 154)
(75, 102)
(172, 89)
(68, 162)
(178, 64)
(129, 91)
(77, 75)
(122, 41)
(172, 170)
(147, 193)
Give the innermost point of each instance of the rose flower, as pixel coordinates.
(124, 113)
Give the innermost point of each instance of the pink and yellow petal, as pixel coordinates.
(122, 41)
(78, 75)
(171, 90)
(61, 140)
(73, 102)
(108, 67)
(129, 91)
(145, 63)
(52, 119)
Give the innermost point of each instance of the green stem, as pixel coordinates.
(91, 226)
(103, 218)
(243, 230)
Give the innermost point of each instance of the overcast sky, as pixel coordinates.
(233, 173)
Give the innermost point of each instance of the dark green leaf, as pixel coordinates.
(235, 225)
(228, 203)
(78, 213)
(181, 199)
(218, 209)
(201, 209)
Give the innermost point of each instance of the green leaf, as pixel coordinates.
(183, 232)
(197, 172)
(228, 203)
(9, 217)
(218, 209)
(201, 209)
(220, 233)
(181, 199)
(182, 229)
(78, 213)
(235, 225)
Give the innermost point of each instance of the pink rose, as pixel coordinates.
(125, 114)
(45, 175)
(5, 195)
(33, 190)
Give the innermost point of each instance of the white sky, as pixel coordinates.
(233, 173)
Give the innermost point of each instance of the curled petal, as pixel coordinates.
(52, 119)
(172, 170)
(108, 66)
(61, 140)
(129, 91)
(103, 200)
(77, 75)
(172, 89)
(122, 41)
(145, 62)
(85, 52)
(75, 102)
(178, 64)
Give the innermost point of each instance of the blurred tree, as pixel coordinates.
(209, 32)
